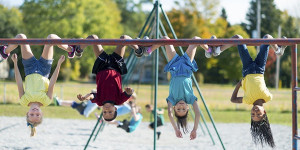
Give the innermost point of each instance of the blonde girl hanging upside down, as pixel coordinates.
(38, 88)
(256, 92)
(180, 90)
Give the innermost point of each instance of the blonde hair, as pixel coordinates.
(32, 125)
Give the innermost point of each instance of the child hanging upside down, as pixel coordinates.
(38, 88)
(181, 91)
(108, 69)
(256, 92)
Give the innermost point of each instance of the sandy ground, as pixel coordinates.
(65, 134)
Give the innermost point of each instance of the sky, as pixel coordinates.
(236, 9)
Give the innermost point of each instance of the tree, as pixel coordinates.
(72, 19)
(270, 17)
(187, 24)
(10, 22)
(132, 15)
(290, 29)
(10, 26)
(205, 8)
(224, 15)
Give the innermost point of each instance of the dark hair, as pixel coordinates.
(261, 132)
(113, 118)
(147, 106)
(182, 122)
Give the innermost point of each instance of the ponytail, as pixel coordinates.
(32, 129)
(33, 125)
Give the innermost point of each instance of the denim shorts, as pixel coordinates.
(41, 66)
(258, 65)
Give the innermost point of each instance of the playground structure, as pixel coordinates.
(159, 30)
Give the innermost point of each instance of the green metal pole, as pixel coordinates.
(149, 30)
(131, 56)
(86, 145)
(145, 25)
(193, 115)
(156, 73)
(195, 82)
(102, 123)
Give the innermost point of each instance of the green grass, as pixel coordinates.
(217, 98)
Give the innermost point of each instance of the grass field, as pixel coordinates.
(217, 98)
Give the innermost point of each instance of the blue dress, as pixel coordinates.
(181, 88)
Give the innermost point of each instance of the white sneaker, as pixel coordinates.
(208, 52)
(142, 50)
(217, 51)
(280, 49)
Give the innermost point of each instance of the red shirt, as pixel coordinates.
(109, 88)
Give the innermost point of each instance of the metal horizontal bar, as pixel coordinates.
(175, 42)
(296, 89)
(296, 137)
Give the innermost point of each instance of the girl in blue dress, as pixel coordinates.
(181, 91)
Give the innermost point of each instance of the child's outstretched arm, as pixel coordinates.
(160, 112)
(197, 117)
(89, 96)
(54, 77)
(171, 117)
(18, 75)
(134, 115)
(125, 95)
(234, 98)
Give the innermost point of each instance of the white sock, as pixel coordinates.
(278, 50)
(5, 49)
(218, 50)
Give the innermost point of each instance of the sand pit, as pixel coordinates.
(65, 134)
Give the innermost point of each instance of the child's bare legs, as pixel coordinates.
(25, 49)
(67, 103)
(120, 49)
(226, 46)
(171, 52)
(48, 49)
(191, 50)
(98, 49)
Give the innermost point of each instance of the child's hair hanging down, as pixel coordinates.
(261, 132)
(33, 125)
(180, 89)
(182, 121)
